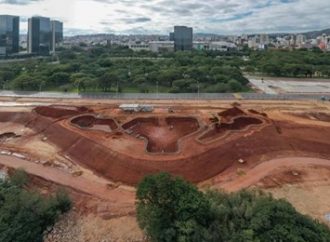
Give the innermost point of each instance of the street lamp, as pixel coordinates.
(4, 85)
(157, 90)
(40, 86)
(198, 90)
(117, 91)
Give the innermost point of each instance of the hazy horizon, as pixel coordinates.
(223, 17)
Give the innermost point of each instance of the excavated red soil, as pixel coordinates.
(91, 122)
(6, 136)
(162, 134)
(231, 113)
(59, 111)
(257, 113)
(196, 161)
(282, 178)
(220, 130)
(315, 116)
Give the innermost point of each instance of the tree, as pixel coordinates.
(24, 215)
(59, 78)
(170, 209)
(105, 81)
(24, 82)
(235, 86)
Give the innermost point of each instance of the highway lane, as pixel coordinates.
(163, 96)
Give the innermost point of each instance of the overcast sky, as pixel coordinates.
(159, 16)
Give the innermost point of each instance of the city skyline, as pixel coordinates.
(159, 16)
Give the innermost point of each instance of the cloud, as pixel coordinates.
(18, 2)
(136, 20)
(159, 16)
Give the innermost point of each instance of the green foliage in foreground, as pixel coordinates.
(24, 215)
(171, 209)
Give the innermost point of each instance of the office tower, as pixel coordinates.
(9, 34)
(39, 35)
(171, 36)
(183, 38)
(57, 34)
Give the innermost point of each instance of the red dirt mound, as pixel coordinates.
(59, 111)
(231, 113)
(162, 135)
(220, 130)
(257, 113)
(91, 122)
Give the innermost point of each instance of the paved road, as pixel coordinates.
(284, 85)
(163, 96)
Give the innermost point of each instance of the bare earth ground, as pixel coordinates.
(282, 147)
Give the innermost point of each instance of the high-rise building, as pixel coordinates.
(183, 38)
(39, 35)
(300, 40)
(171, 36)
(264, 39)
(57, 33)
(9, 34)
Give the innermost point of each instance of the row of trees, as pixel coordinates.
(120, 69)
(109, 69)
(170, 209)
(299, 63)
(24, 215)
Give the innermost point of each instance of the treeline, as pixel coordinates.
(25, 215)
(113, 69)
(298, 63)
(119, 69)
(170, 209)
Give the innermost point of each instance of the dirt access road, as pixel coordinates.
(116, 197)
(120, 196)
(265, 169)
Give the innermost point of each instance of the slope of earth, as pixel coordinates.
(107, 156)
(121, 157)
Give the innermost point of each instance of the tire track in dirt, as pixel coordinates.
(259, 172)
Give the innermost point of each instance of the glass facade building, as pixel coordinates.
(183, 38)
(39, 35)
(57, 33)
(9, 34)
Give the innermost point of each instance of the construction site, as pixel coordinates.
(99, 150)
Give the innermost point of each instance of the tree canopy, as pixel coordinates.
(171, 209)
(106, 68)
(25, 215)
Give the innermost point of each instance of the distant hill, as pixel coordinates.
(314, 34)
(309, 35)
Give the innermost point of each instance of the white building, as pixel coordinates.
(201, 45)
(252, 43)
(222, 46)
(138, 46)
(300, 40)
(157, 46)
